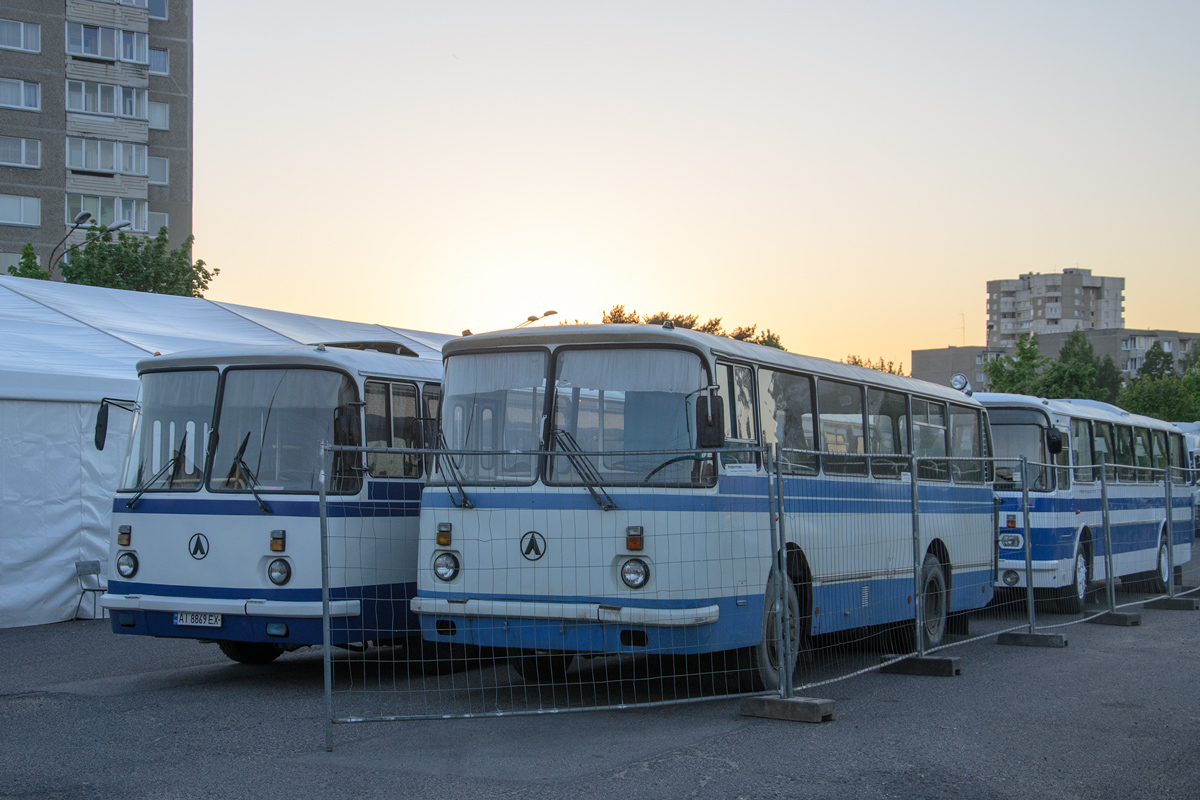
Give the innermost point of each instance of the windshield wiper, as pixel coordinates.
(173, 464)
(251, 479)
(585, 468)
(461, 501)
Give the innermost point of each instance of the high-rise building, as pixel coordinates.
(95, 115)
(1053, 303)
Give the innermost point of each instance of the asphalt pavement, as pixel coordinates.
(85, 713)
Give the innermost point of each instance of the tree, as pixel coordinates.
(1018, 373)
(1108, 380)
(617, 315)
(137, 263)
(1172, 398)
(1158, 363)
(1189, 361)
(1073, 375)
(889, 367)
(28, 267)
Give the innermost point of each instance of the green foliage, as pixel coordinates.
(618, 315)
(28, 267)
(1018, 373)
(883, 366)
(1158, 364)
(1108, 380)
(1073, 375)
(1172, 398)
(1190, 359)
(137, 263)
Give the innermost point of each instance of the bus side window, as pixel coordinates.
(1081, 450)
(1179, 460)
(843, 428)
(965, 442)
(786, 412)
(1142, 451)
(929, 438)
(1161, 455)
(1124, 454)
(1063, 461)
(737, 390)
(1104, 449)
(887, 432)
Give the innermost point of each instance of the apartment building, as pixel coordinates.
(95, 115)
(1053, 303)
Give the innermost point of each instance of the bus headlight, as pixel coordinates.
(1012, 541)
(635, 573)
(445, 566)
(279, 571)
(127, 565)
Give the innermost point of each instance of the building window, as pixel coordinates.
(96, 42)
(107, 210)
(138, 3)
(16, 152)
(103, 156)
(15, 210)
(89, 97)
(160, 116)
(159, 170)
(20, 94)
(157, 220)
(25, 36)
(160, 62)
(158, 8)
(1166, 346)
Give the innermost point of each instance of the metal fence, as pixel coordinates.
(792, 570)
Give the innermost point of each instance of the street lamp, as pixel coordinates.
(535, 318)
(80, 219)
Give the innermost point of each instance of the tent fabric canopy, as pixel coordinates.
(66, 347)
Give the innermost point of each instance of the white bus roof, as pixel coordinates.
(363, 362)
(1085, 409)
(719, 346)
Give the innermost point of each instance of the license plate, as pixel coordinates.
(197, 619)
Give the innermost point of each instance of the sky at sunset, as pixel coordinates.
(847, 174)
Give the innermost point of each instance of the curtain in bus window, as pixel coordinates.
(965, 443)
(1081, 449)
(1143, 449)
(840, 406)
(786, 410)
(1124, 453)
(929, 439)
(887, 432)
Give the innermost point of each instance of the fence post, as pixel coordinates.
(787, 627)
(1170, 535)
(918, 596)
(778, 599)
(1110, 585)
(1028, 543)
(328, 647)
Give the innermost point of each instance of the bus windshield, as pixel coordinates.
(272, 424)
(626, 404)
(1020, 433)
(170, 431)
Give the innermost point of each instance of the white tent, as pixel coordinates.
(66, 347)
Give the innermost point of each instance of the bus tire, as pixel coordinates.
(537, 667)
(251, 652)
(765, 656)
(936, 600)
(1073, 597)
(1158, 581)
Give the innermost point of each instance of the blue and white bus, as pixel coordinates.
(581, 514)
(216, 525)
(1064, 442)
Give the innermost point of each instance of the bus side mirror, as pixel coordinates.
(1054, 441)
(101, 424)
(710, 428)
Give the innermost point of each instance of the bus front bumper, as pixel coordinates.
(570, 612)
(311, 609)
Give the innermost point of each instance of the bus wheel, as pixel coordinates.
(1073, 597)
(540, 667)
(251, 652)
(936, 603)
(766, 655)
(1158, 583)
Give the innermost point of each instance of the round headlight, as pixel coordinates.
(635, 573)
(127, 565)
(445, 566)
(279, 571)
(1011, 578)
